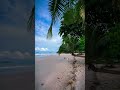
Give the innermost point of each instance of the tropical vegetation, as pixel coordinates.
(71, 13)
(92, 26)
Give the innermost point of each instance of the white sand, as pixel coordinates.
(54, 72)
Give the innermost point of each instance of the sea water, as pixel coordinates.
(16, 65)
(44, 54)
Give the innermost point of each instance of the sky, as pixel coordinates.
(42, 23)
(15, 40)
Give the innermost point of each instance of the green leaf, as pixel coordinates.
(49, 34)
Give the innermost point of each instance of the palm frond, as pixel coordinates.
(56, 8)
(49, 34)
(59, 7)
(30, 23)
(74, 13)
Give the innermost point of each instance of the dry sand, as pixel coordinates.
(56, 73)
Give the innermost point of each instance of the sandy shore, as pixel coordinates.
(58, 73)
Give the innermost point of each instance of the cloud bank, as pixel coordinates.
(15, 55)
(41, 49)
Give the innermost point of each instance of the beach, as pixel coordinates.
(57, 72)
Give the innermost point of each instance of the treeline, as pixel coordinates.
(93, 26)
(102, 33)
(73, 39)
(72, 29)
(72, 45)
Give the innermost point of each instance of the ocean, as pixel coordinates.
(16, 65)
(44, 53)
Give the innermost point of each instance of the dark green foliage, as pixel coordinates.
(102, 16)
(71, 10)
(73, 38)
(74, 30)
(63, 49)
(72, 45)
(112, 50)
(81, 45)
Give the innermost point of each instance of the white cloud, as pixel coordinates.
(15, 55)
(41, 49)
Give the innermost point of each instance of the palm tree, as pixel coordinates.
(69, 45)
(58, 8)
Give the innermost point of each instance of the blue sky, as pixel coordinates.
(42, 23)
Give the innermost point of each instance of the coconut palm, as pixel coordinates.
(58, 8)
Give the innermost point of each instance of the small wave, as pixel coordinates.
(44, 55)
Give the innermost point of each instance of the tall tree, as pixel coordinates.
(57, 8)
(101, 16)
